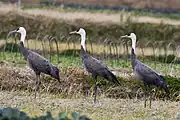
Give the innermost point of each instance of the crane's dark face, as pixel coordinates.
(55, 73)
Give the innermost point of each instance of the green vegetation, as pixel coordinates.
(15, 114)
(172, 16)
(74, 60)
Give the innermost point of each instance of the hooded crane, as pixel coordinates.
(36, 62)
(147, 75)
(94, 66)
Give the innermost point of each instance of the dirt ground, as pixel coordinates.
(114, 18)
(106, 109)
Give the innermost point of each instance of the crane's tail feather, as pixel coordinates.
(113, 78)
(163, 85)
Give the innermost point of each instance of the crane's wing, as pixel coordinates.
(149, 76)
(38, 63)
(98, 68)
(145, 72)
(93, 65)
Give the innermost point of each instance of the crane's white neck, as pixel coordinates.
(83, 39)
(23, 35)
(134, 44)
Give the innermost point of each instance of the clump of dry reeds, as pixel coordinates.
(75, 82)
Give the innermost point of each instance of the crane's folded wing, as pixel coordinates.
(38, 62)
(145, 72)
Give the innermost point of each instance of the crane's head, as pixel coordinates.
(20, 30)
(131, 36)
(55, 73)
(81, 31)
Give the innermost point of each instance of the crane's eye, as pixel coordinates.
(128, 34)
(78, 30)
(17, 29)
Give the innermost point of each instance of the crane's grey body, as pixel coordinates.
(97, 67)
(36, 62)
(144, 73)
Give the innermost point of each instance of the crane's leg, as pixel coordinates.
(150, 98)
(37, 85)
(145, 92)
(95, 89)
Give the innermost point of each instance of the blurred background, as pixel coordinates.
(162, 5)
(48, 23)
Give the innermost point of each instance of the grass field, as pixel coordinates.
(65, 61)
(105, 109)
(69, 55)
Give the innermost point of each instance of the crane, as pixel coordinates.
(94, 66)
(36, 62)
(143, 72)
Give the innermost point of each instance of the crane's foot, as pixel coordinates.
(35, 95)
(144, 105)
(145, 101)
(150, 102)
(95, 100)
(38, 82)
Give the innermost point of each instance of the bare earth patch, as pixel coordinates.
(114, 18)
(111, 18)
(106, 109)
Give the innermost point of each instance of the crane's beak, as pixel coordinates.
(11, 33)
(125, 36)
(73, 32)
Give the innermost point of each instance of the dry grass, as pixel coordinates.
(75, 83)
(16, 78)
(106, 109)
(96, 48)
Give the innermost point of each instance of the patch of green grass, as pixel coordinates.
(76, 61)
(173, 16)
